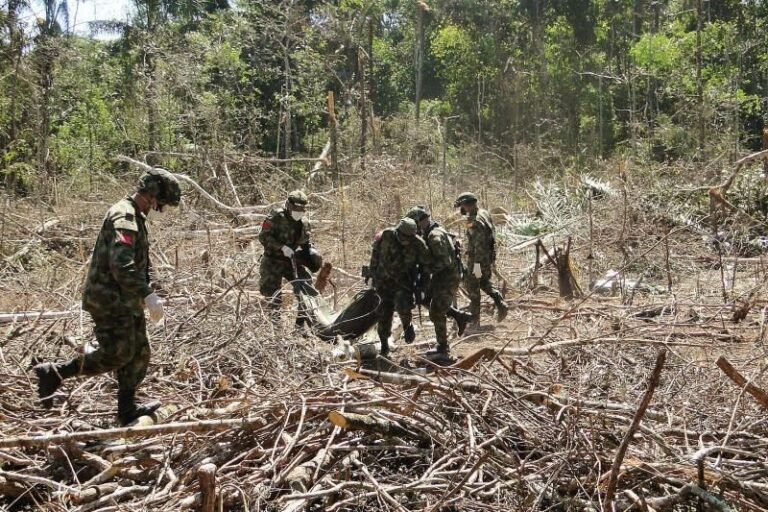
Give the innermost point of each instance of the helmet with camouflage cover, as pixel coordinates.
(417, 213)
(298, 198)
(464, 198)
(161, 184)
(406, 227)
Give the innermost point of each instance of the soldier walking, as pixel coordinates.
(288, 251)
(445, 276)
(117, 289)
(395, 254)
(481, 254)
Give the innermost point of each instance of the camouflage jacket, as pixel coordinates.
(118, 276)
(392, 263)
(443, 258)
(279, 229)
(481, 239)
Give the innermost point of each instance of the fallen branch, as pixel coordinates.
(653, 381)
(758, 394)
(127, 432)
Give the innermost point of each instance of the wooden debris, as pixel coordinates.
(758, 394)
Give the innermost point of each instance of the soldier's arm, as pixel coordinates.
(306, 236)
(122, 264)
(473, 242)
(268, 236)
(424, 256)
(375, 252)
(440, 258)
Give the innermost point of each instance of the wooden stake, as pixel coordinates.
(206, 477)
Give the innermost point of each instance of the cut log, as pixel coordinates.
(368, 423)
(206, 477)
(300, 477)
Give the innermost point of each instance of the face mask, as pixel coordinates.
(155, 215)
(297, 215)
(463, 211)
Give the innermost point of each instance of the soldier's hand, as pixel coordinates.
(287, 251)
(155, 306)
(477, 271)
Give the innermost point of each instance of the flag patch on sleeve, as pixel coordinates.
(124, 238)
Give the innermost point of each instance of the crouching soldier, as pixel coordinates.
(396, 251)
(288, 251)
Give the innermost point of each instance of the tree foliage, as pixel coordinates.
(586, 79)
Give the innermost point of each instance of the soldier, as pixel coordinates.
(288, 251)
(395, 254)
(117, 289)
(445, 269)
(481, 255)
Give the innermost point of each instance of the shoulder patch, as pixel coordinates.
(124, 237)
(266, 225)
(377, 236)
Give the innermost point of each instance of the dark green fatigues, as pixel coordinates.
(390, 265)
(444, 280)
(481, 240)
(115, 288)
(277, 230)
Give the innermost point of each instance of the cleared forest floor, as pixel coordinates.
(261, 416)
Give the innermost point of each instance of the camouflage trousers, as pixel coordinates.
(474, 285)
(123, 349)
(393, 298)
(442, 291)
(272, 271)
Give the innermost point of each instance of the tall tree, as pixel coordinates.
(47, 50)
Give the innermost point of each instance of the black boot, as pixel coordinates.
(49, 377)
(462, 319)
(384, 352)
(48, 381)
(409, 334)
(128, 411)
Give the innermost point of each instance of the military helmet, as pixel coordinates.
(417, 213)
(406, 227)
(161, 184)
(465, 197)
(298, 197)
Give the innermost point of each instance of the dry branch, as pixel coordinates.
(653, 381)
(758, 394)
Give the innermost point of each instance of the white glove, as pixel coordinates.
(287, 251)
(155, 306)
(477, 271)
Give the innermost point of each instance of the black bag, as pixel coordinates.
(355, 319)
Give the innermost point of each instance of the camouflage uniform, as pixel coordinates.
(280, 229)
(115, 290)
(480, 236)
(444, 281)
(443, 277)
(117, 282)
(391, 267)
